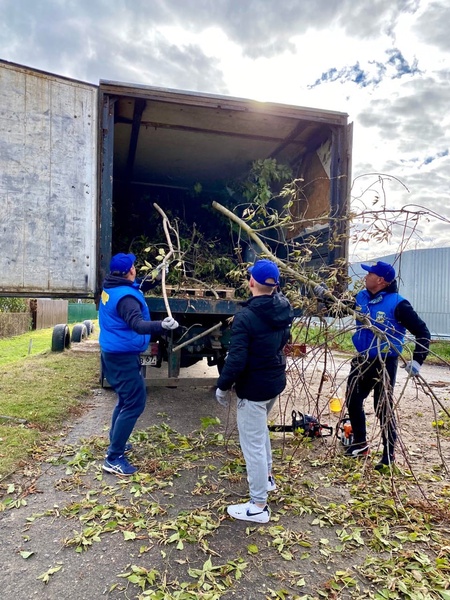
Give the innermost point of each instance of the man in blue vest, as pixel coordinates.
(375, 365)
(125, 330)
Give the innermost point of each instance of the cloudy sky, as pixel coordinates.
(384, 62)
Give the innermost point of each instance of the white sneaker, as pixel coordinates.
(271, 485)
(249, 512)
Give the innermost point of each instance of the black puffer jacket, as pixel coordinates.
(256, 363)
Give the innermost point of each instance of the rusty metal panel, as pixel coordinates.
(48, 186)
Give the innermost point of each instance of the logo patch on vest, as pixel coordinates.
(105, 297)
(381, 317)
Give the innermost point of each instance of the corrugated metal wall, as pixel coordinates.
(424, 279)
(80, 312)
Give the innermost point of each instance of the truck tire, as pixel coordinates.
(60, 338)
(89, 326)
(79, 332)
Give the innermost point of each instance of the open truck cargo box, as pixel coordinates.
(159, 145)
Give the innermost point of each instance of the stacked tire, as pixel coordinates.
(61, 337)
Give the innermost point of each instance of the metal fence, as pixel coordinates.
(80, 312)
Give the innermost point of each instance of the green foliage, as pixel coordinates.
(409, 574)
(207, 247)
(257, 187)
(13, 305)
(202, 259)
(442, 424)
(45, 577)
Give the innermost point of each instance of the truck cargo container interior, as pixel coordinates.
(183, 150)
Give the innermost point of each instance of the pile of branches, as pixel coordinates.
(300, 283)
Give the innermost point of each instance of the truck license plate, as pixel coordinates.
(148, 360)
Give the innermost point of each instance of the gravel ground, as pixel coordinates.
(50, 491)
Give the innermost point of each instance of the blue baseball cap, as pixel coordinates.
(382, 269)
(263, 270)
(121, 263)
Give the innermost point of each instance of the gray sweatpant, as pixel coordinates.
(255, 444)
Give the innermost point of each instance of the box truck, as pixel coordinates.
(82, 165)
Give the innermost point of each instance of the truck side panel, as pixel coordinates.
(48, 188)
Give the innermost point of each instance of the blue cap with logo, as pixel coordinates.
(121, 263)
(382, 269)
(263, 270)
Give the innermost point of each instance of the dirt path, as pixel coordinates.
(171, 518)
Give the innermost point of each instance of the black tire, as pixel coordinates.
(60, 338)
(79, 332)
(89, 326)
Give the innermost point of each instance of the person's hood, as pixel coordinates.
(392, 288)
(113, 281)
(273, 309)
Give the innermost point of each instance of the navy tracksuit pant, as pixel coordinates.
(123, 372)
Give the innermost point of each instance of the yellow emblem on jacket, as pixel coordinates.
(105, 297)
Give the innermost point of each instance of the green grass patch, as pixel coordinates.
(44, 390)
(28, 344)
(15, 443)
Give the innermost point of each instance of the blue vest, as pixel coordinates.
(380, 311)
(115, 335)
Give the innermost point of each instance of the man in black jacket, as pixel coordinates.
(375, 365)
(256, 366)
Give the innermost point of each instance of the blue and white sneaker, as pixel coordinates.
(249, 512)
(118, 466)
(128, 448)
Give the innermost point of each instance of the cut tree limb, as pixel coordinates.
(166, 226)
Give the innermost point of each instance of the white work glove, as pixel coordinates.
(319, 290)
(412, 367)
(222, 397)
(169, 323)
(159, 270)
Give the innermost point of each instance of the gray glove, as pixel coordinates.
(412, 367)
(223, 397)
(319, 290)
(169, 323)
